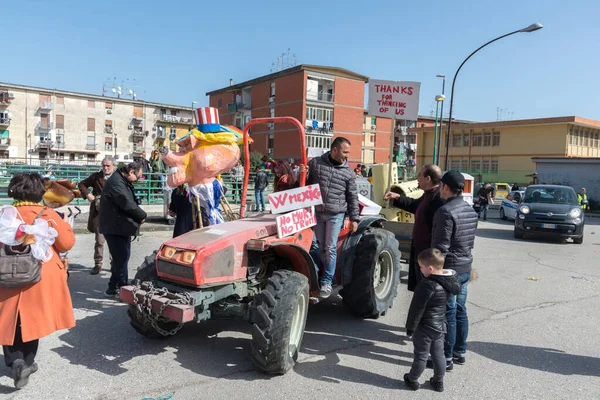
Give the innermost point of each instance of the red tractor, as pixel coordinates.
(242, 269)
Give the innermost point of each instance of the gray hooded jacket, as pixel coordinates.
(338, 186)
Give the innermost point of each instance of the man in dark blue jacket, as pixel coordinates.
(340, 197)
(454, 226)
(120, 219)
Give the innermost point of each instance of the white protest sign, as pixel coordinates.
(295, 221)
(294, 199)
(368, 207)
(391, 99)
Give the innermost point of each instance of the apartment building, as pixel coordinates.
(49, 124)
(377, 139)
(329, 101)
(502, 151)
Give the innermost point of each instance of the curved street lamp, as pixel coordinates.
(530, 28)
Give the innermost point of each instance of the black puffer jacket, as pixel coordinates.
(454, 226)
(119, 212)
(338, 186)
(428, 305)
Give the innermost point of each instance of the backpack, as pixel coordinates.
(18, 267)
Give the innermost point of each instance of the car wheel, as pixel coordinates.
(578, 240)
(502, 215)
(518, 235)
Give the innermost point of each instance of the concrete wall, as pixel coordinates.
(576, 173)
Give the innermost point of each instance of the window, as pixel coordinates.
(455, 164)
(485, 166)
(319, 114)
(464, 164)
(173, 130)
(91, 124)
(60, 122)
(272, 89)
(108, 123)
(466, 138)
(138, 111)
(45, 98)
(456, 140)
(220, 103)
(596, 139)
(271, 143)
(496, 139)
(494, 167)
(373, 121)
(60, 140)
(91, 143)
(108, 105)
(586, 139)
(174, 112)
(487, 139)
(91, 104)
(475, 165)
(272, 112)
(60, 100)
(477, 139)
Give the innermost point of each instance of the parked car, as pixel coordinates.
(508, 207)
(501, 190)
(550, 211)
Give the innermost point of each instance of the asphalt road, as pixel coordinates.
(534, 335)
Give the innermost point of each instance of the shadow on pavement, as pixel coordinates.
(104, 341)
(542, 359)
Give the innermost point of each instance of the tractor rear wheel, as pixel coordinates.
(147, 272)
(278, 314)
(375, 274)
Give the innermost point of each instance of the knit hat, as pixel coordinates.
(454, 180)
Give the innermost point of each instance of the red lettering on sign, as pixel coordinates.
(279, 200)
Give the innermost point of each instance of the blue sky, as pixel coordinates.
(178, 50)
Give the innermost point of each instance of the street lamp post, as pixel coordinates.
(439, 143)
(437, 136)
(530, 28)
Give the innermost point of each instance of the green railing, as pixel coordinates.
(505, 176)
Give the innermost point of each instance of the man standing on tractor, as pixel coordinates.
(424, 209)
(338, 189)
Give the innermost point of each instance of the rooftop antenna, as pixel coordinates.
(284, 61)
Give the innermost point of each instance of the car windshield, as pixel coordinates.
(550, 196)
(502, 187)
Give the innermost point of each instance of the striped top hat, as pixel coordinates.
(207, 119)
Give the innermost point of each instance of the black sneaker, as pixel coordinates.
(449, 365)
(459, 360)
(437, 386)
(111, 292)
(414, 385)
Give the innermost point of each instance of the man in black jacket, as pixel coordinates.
(454, 226)
(120, 219)
(424, 209)
(425, 322)
(340, 197)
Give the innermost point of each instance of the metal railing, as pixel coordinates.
(5, 121)
(175, 119)
(45, 105)
(44, 126)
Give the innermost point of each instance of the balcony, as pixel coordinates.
(138, 133)
(323, 127)
(6, 98)
(45, 106)
(90, 146)
(161, 135)
(174, 119)
(319, 89)
(60, 145)
(4, 142)
(108, 130)
(44, 143)
(4, 121)
(137, 119)
(138, 148)
(43, 126)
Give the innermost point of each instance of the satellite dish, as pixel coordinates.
(119, 88)
(114, 90)
(130, 91)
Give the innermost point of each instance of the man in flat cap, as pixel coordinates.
(453, 233)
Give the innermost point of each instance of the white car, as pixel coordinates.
(509, 206)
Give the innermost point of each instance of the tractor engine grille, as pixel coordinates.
(172, 269)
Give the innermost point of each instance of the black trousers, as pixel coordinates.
(120, 251)
(427, 341)
(19, 350)
(414, 272)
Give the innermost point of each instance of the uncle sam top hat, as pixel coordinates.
(208, 121)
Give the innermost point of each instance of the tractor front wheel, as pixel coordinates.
(375, 274)
(147, 272)
(278, 315)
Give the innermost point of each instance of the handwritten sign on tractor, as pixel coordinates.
(391, 99)
(295, 221)
(294, 199)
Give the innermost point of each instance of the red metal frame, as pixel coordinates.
(257, 121)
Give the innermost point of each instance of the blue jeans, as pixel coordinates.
(327, 232)
(483, 209)
(260, 199)
(458, 322)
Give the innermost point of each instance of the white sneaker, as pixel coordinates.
(325, 290)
